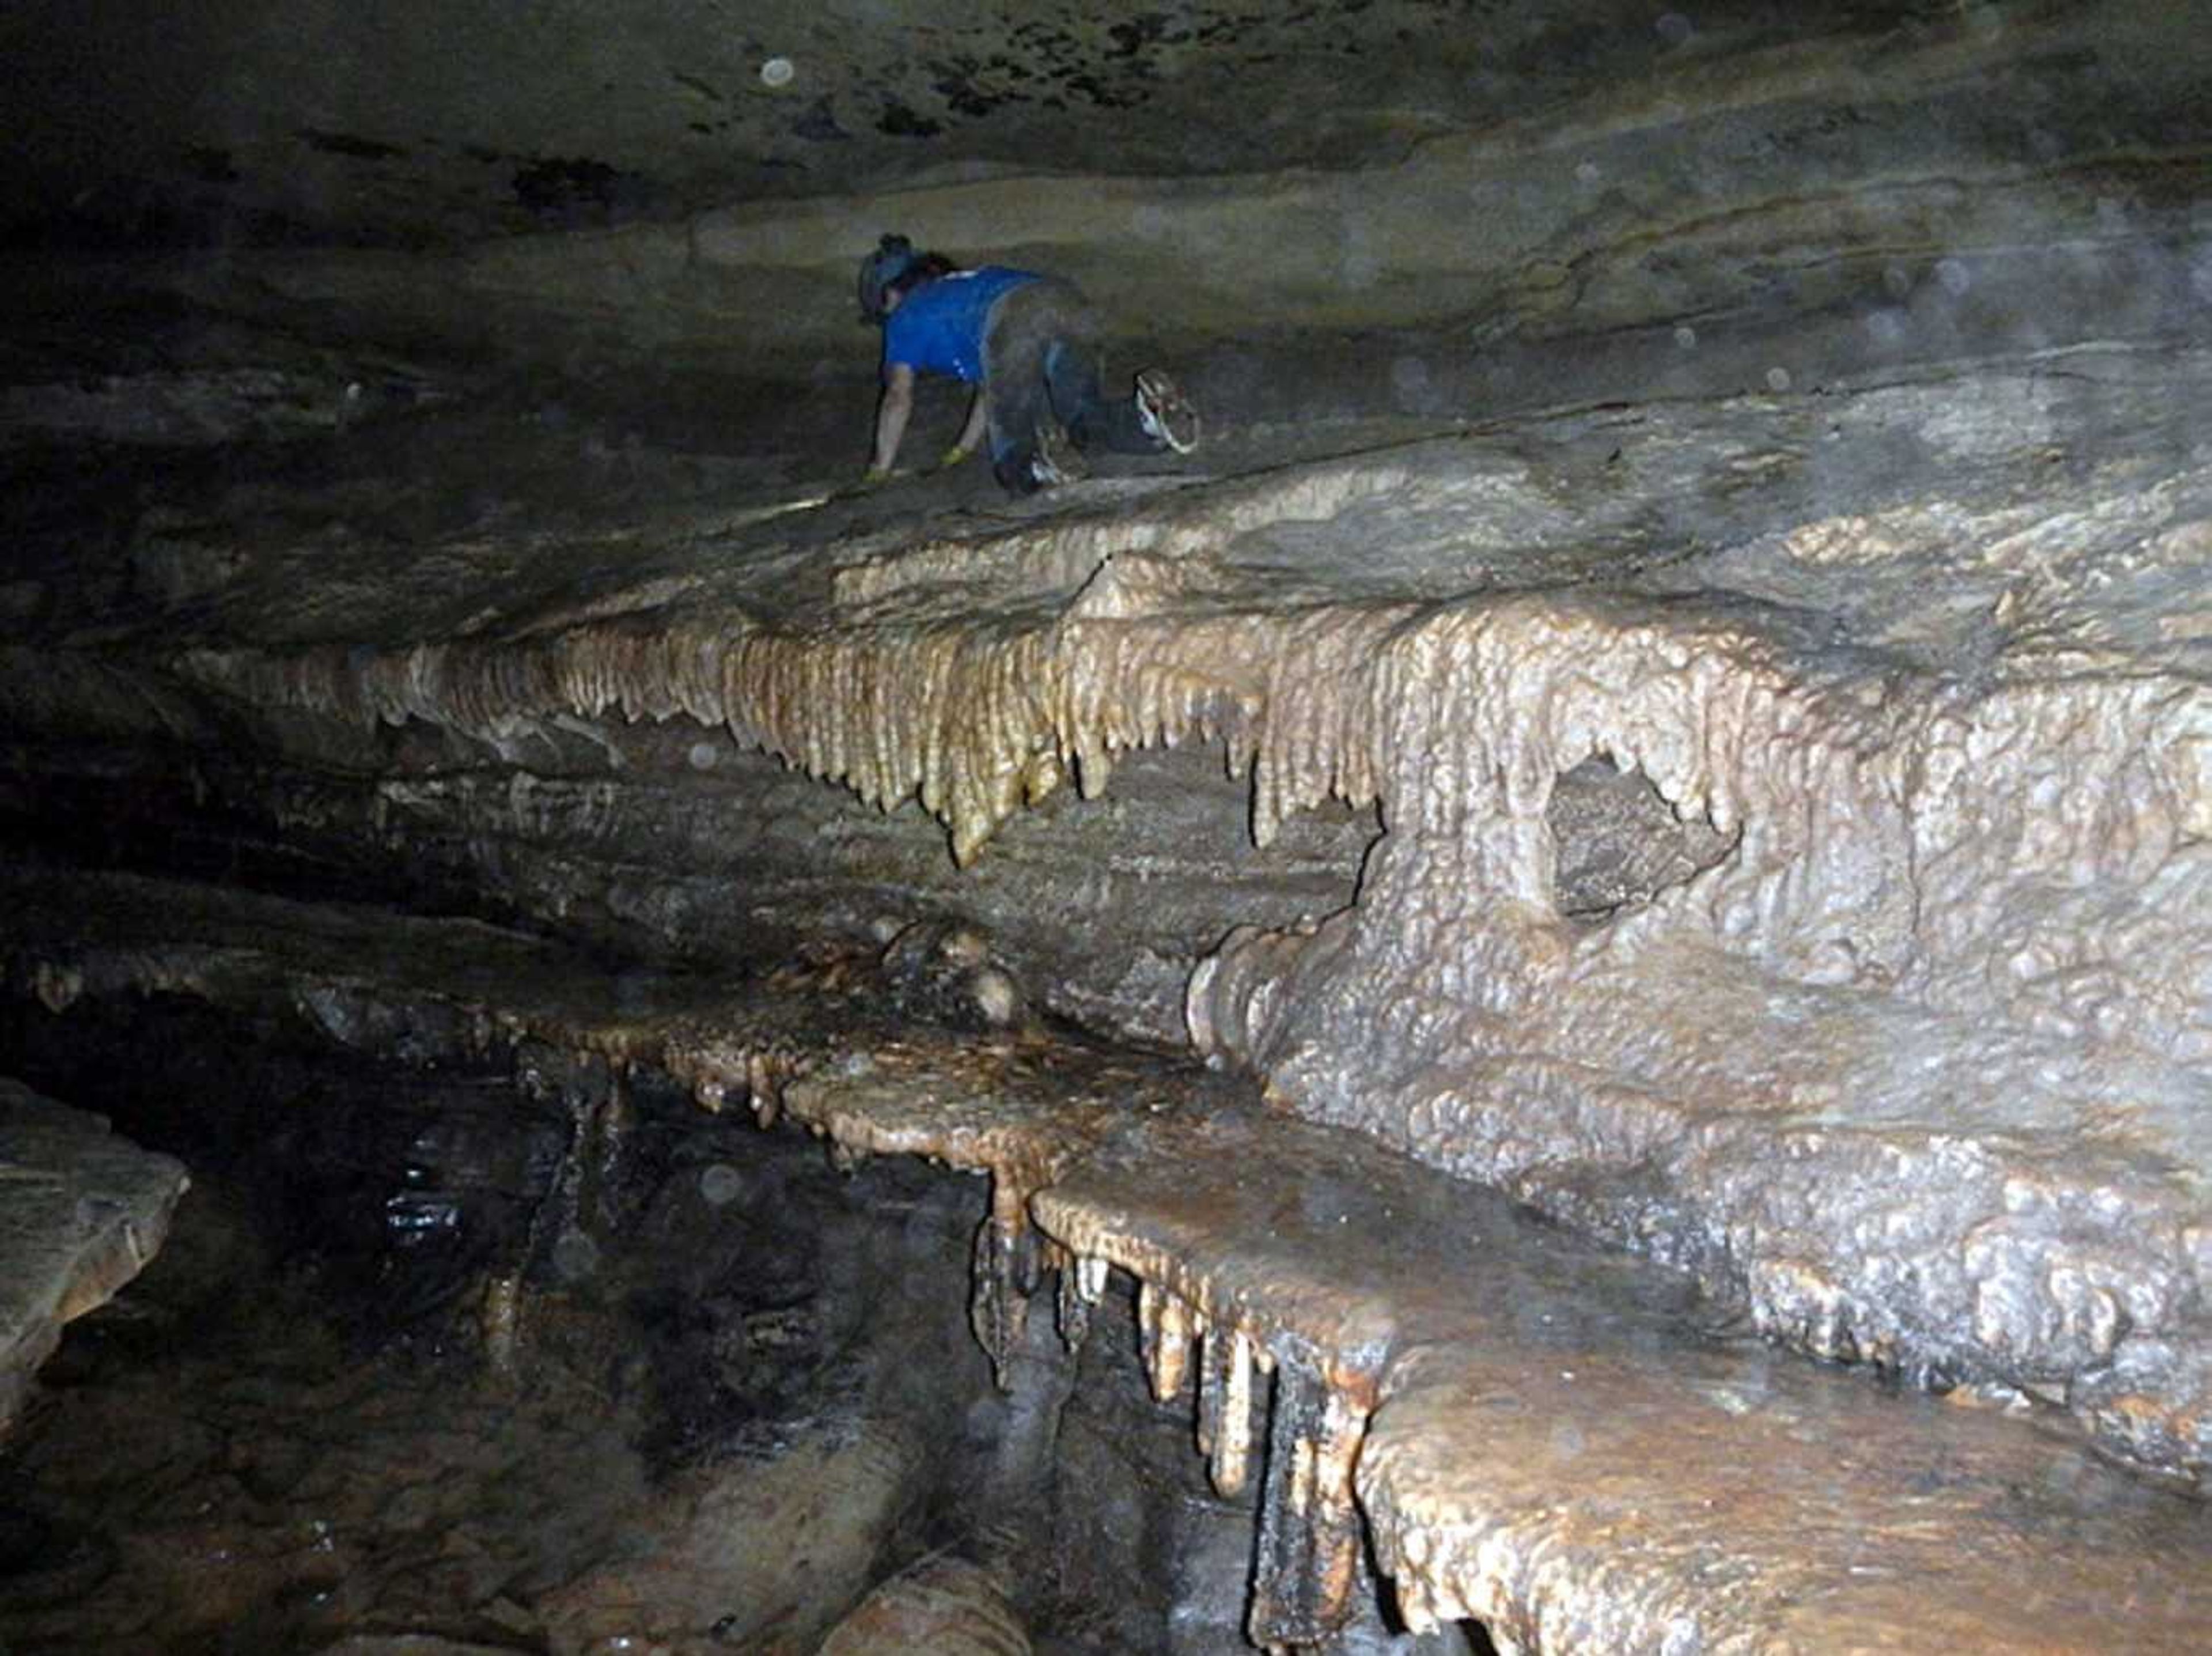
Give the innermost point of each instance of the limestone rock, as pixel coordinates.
(81, 1212)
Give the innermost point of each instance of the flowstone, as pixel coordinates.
(1795, 858)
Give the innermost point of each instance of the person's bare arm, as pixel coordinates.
(892, 416)
(971, 433)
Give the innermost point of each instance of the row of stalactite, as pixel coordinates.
(1307, 1559)
(1307, 1562)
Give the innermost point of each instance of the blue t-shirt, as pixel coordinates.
(938, 327)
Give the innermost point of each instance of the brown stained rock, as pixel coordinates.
(1020, 1112)
(81, 1212)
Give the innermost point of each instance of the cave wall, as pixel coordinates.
(1878, 188)
(1952, 867)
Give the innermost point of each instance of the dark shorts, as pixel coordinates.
(1042, 361)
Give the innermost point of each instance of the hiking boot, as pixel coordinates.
(1058, 460)
(1165, 413)
(1052, 459)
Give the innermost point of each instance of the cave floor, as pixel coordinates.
(216, 1465)
(251, 1453)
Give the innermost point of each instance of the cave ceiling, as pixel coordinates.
(414, 122)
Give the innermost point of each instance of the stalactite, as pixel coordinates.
(1224, 1405)
(614, 1125)
(1163, 1331)
(499, 1323)
(564, 1209)
(762, 1089)
(1074, 1310)
(1005, 1271)
(1091, 1274)
(1308, 1558)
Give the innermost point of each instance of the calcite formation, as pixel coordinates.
(1906, 1059)
(1812, 898)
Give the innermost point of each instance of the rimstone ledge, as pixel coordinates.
(1571, 1443)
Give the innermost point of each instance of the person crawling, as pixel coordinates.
(1029, 344)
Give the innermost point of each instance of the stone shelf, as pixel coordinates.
(1568, 1443)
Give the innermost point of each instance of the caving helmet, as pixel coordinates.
(893, 257)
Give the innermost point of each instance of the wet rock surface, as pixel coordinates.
(1698, 842)
(1848, 917)
(427, 1296)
